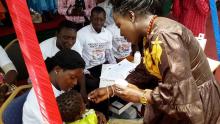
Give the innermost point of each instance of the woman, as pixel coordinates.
(65, 68)
(186, 91)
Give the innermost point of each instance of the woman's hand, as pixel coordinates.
(131, 93)
(100, 94)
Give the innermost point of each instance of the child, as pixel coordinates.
(73, 110)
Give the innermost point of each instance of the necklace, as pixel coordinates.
(151, 24)
(149, 28)
(151, 57)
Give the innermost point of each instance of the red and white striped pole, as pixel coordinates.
(34, 61)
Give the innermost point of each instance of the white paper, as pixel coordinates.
(111, 73)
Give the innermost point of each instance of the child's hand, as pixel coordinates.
(101, 118)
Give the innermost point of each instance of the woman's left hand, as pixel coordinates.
(130, 93)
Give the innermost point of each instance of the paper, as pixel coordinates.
(112, 72)
(213, 64)
(202, 41)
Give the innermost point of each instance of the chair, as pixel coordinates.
(14, 53)
(11, 110)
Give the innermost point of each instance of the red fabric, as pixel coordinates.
(34, 61)
(192, 13)
(2, 11)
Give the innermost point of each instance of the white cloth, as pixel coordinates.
(94, 47)
(121, 47)
(31, 109)
(5, 61)
(108, 10)
(49, 47)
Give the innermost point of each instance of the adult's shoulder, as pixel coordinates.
(168, 25)
(84, 29)
(48, 41)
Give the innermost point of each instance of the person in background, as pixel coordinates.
(73, 110)
(65, 69)
(186, 90)
(64, 39)
(107, 6)
(192, 13)
(8, 76)
(120, 46)
(77, 11)
(94, 43)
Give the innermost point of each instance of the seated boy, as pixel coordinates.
(73, 110)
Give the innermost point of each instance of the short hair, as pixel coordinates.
(140, 7)
(70, 105)
(98, 10)
(66, 59)
(68, 24)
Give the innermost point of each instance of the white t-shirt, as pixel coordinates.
(93, 46)
(5, 62)
(31, 109)
(108, 10)
(121, 47)
(49, 48)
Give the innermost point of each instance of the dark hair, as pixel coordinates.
(66, 59)
(68, 24)
(98, 10)
(70, 105)
(140, 7)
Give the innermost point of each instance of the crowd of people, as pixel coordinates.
(173, 82)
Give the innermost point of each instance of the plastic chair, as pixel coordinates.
(11, 110)
(14, 53)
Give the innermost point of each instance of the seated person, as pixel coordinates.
(9, 75)
(94, 43)
(73, 111)
(121, 47)
(64, 69)
(65, 39)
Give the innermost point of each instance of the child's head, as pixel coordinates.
(71, 106)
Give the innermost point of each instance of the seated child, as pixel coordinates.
(73, 110)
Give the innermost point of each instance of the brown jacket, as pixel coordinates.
(175, 67)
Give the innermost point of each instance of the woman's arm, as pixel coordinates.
(177, 95)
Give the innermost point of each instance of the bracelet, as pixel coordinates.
(107, 92)
(113, 91)
(143, 99)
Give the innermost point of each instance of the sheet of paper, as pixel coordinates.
(112, 72)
